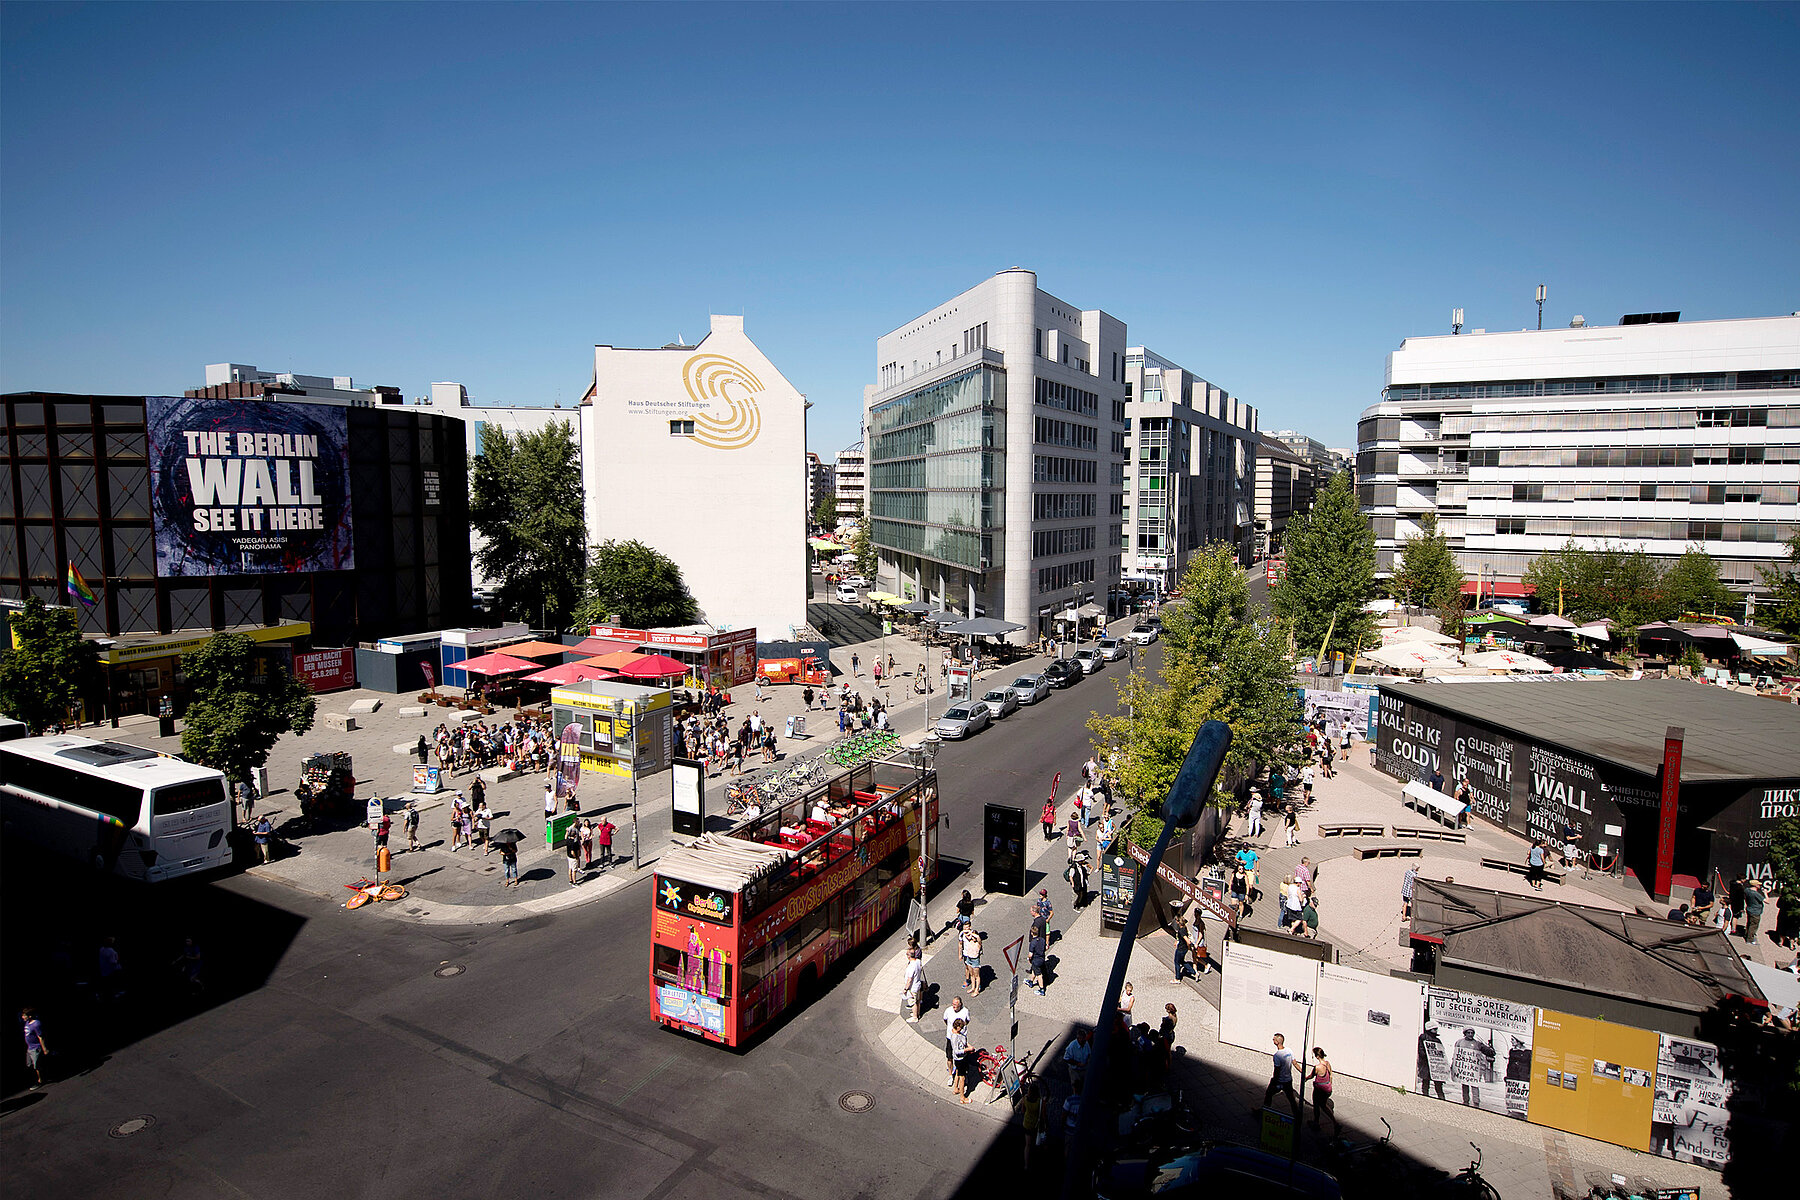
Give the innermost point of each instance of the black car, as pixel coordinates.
(1064, 672)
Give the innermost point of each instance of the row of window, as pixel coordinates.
(975, 339)
(938, 507)
(1674, 531)
(1072, 434)
(973, 389)
(1052, 394)
(1505, 389)
(1065, 575)
(1461, 425)
(1062, 506)
(1047, 468)
(966, 469)
(1048, 542)
(959, 547)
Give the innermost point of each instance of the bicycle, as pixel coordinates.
(1468, 1182)
(369, 890)
(1003, 1073)
(1375, 1159)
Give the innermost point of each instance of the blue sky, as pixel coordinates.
(1272, 195)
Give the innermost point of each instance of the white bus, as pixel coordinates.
(116, 807)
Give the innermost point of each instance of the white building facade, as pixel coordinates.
(995, 440)
(694, 450)
(1190, 480)
(1652, 433)
(1284, 490)
(852, 475)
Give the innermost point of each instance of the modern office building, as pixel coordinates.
(852, 475)
(1190, 480)
(996, 452)
(1284, 489)
(691, 450)
(1320, 459)
(275, 514)
(821, 481)
(1652, 433)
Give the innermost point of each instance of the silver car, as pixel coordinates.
(1143, 635)
(1112, 649)
(1029, 689)
(963, 720)
(1001, 702)
(1088, 660)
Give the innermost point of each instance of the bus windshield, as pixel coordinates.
(182, 797)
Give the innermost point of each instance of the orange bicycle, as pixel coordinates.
(369, 890)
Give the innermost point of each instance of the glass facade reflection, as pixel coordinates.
(937, 463)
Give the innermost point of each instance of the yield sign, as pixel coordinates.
(1012, 953)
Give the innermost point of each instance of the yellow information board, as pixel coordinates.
(1592, 1078)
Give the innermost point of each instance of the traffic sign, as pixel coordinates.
(1012, 955)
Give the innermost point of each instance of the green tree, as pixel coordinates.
(42, 676)
(863, 547)
(825, 512)
(1783, 610)
(1427, 574)
(1330, 553)
(244, 700)
(638, 584)
(525, 500)
(1146, 743)
(1611, 580)
(1692, 585)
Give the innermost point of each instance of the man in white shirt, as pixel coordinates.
(1075, 1057)
(956, 1012)
(915, 983)
(1256, 810)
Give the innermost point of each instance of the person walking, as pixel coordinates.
(1320, 1073)
(509, 862)
(422, 750)
(1293, 825)
(971, 956)
(1048, 818)
(410, 822)
(912, 993)
(1535, 862)
(806, 694)
(36, 1049)
(1255, 829)
(1077, 875)
(965, 912)
(1075, 1059)
(1282, 1080)
(1183, 947)
(603, 840)
(1306, 784)
(1406, 891)
(549, 798)
(1753, 910)
(482, 819)
(1035, 950)
(264, 833)
(855, 664)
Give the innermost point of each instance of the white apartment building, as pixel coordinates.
(691, 450)
(1284, 489)
(1190, 480)
(821, 481)
(995, 437)
(852, 473)
(1653, 433)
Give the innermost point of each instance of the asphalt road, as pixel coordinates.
(339, 1053)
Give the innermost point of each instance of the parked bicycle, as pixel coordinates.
(370, 890)
(1468, 1184)
(1004, 1073)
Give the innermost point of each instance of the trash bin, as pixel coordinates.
(165, 725)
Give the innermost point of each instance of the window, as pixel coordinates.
(1065, 353)
(681, 428)
(975, 339)
(1118, 407)
(1047, 469)
(1054, 579)
(1524, 493)
(1040, 343)
(1048, 542)
(1062, 506)
(1705, 531)
(1066, 433)
(1071, 399)
(1509, 525)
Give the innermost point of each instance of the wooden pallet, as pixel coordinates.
(1435, 835)
(1389, 851)
(1352, 830)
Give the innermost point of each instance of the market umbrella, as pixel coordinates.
(618, 660)
(884, 597)
(982, 627)
(494, 664)
(1410, 656)
(917, 608)
(507, 836)
(1594, 630)
(595, 646)
(1066, 615)
(1415, 633)
(1090, 609)
(945, 617)
(535, 649)
(820, 543)
(1552, 621)
(1508, 660)
(570, 673)
(653, 666)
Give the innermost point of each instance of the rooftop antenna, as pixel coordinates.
(1456, 321)
(1542, 292)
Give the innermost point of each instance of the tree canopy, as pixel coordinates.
(1427, 573)
(825, 512)
(42, 676)
(863, 547)
(638, 584)
(244, 700)
(1330, 571)
(525, 500)
(1626, 583)
(1783, 611)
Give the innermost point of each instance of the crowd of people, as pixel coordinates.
(521, 744)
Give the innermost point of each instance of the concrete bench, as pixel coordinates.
(1389, 851)
(412, 710)
(495, 775)
(1431, 835)
(1519, 868)
(464, 716)
(1429, 802)
(341, 721)
(366, 705)
(1350, 830)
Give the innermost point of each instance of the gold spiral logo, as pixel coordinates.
(713, 380)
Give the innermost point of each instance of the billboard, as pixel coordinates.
(1369, 1023)
(1592, 1078)
(330, 670)
(1691, 1114)
(1263, 993)
(1475, 1050)
(248, 487)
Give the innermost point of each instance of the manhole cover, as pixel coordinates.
(125, 1129)
(449, 971)
(856, 1102)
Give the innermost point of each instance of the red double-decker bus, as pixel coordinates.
(746, 924)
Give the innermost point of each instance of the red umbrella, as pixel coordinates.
(570, 673)
(653, 666)
(493, 664)
(618, 660)
(598, 646)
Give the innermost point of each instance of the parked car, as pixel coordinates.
(1212, 1169)
(1143, 635)
(1063, 673)
(1029, 689)
(1001, 702)
(847, 594)
(1112, 649)
(962, 720)
(1089, 660)
(855, 581)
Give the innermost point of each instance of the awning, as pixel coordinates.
(570, 673)
(1498, 587)
(1508, 660)
(1759, 647)
(493, 664)
(595, 646)
(137, 647)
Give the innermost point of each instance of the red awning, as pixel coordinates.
(1499, 587)
(593, 646)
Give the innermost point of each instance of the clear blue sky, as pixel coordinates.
(1271, 195)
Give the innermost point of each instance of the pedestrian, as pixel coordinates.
(1032, 1118)
(1534, 861)
(1035, 949)
(1077, 875)
(1072, 831)
(1041, 908)
(36, 1049)
(1282, 1080)
(957, 1012)
(456, 811)
(1255, 828)
(248, 794)
(1293, 825)
(876, 671)
(572, 848)
(1703, 905)
(477, 792)
(971, 956)
(264, 832)
(1406, 891)
(1166, 1031)
(1075, 1058)
(759, 687)
(965, 912)
(1320, 1074)
(913, 992)
(855, 664)
(1048, 817)
(1197, 938)
(806, 694)
(422, 750)
(112, 969)
(466, 828)
(1127, 1001)
(549, 799)
(1291, 902)
(587, 843)
(1182, 947)
(383, 827)
(410, 822)
(190, 964)
(1465, 799)
(1753, 910)
(1306, 784)
(959, 1054)
(509, 862)
(603, 838)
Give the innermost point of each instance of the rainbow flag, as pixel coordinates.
(78, 588)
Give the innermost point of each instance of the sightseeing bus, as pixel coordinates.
(745, 925)
(119, 808)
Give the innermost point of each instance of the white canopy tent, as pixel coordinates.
(1415, 633)
(1508, 660)
(1411, 656)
